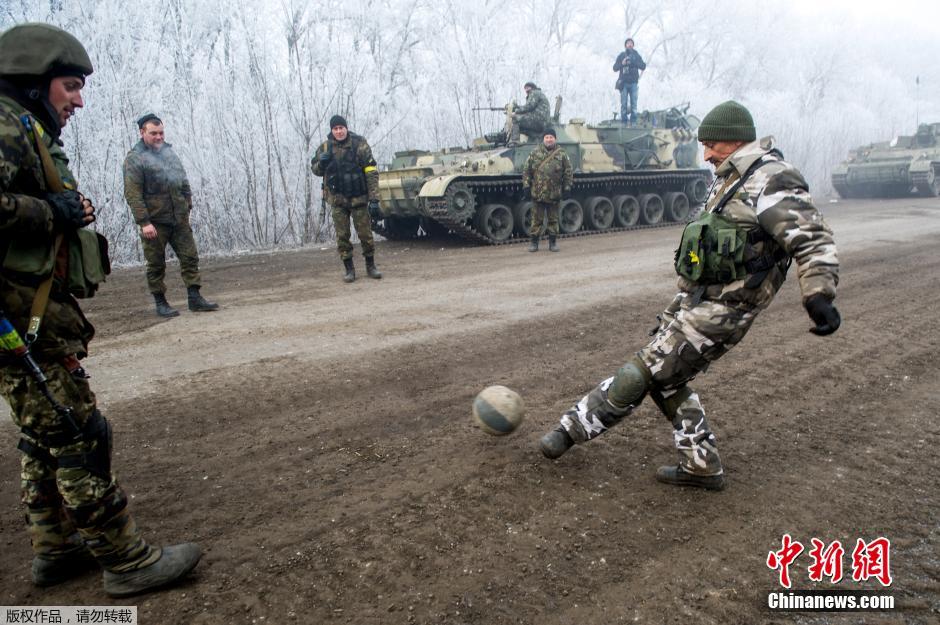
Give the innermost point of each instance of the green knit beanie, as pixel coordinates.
(729, 121)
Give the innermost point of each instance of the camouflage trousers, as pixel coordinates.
(72, 499)
(359, 215)
(690, 337)
(180, 238)
(539, 211)
(529, 124)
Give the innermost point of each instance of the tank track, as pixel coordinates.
(923, 183)
(437, 208)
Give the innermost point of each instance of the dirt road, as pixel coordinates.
(315, 437)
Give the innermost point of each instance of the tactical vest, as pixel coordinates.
(713, 247)
(343, 175)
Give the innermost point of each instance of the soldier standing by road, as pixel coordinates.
(546, 178)
(351, 186)
(76, 513)
(629, 67)
(532, 117)
(731, 262)
(158, 192)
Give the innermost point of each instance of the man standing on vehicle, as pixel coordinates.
(351, 186)
(629, 67)
(77, 514)
(157, 190)
(732, 260)
(547, 177)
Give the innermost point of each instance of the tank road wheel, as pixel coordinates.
(522, 215)
(598, 213)
(460, 201)
(570, 216)
(494, 221)
(930, 186)
(677, 206)
(651, 208)
(697, 190)
(626, 211)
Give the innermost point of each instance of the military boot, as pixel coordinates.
(370, 268)
(51, 571)
(163, 307)
(552, 247)
(556, 443)
(350, 270)
(677, 476)
(533, 244)
(197, 303)
(174, 563)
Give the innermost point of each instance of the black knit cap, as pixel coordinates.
(338, 120)
(729, 121)
(529, 84)
(149, 117)
(550, 131)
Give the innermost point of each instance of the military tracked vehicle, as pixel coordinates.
(626, 176)
(892, 168)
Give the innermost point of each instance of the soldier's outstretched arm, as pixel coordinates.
(785, 209)
(317, 163)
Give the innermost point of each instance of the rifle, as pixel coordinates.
(489, 108)
(12, 343)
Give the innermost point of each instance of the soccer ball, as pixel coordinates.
(498, 410)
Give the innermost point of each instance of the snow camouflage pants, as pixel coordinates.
(690, 336)
(362, 221)
(180, 238)
(70, 508)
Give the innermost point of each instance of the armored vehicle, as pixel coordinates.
(892, 168)
(626, 176)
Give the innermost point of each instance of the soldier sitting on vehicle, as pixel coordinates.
(533, 117)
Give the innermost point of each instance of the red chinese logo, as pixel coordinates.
(783, 558)
(872, 560)
(869, 560)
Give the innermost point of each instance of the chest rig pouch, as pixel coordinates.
(344, 176)
(712, 248)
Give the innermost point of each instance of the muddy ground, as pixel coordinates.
(315, 437)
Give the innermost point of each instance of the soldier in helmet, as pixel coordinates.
(758, 217)
(532, 117)
(351, 186)
(546, 178)
(77, 515)
(158, 192)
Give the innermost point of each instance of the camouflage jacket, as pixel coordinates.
(155, 186)
(536, 105)
(775, 199)
(27, 218)
(547, 173)
(363, 159)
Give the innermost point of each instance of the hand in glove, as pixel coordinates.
(526, 193)
(70, 210)
(823, 313)
(325, 159)
(374, 209)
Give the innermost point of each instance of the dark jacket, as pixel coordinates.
(155, 186)
(629, 73)
(363, 160)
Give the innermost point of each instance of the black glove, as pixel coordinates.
(374, 209)
(325, 159)
(823, 313)
(526, 193)
(67, 210)
(565, 193)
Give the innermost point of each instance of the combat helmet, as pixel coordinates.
(34, 49)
